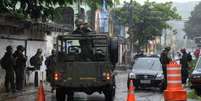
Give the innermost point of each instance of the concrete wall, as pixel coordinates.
(32, 47)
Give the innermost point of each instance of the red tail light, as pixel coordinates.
(57, 76)
(106, 76)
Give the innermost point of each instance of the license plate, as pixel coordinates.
(145, 81)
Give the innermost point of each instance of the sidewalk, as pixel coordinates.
(29, 90)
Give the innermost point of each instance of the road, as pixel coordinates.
(121, 93)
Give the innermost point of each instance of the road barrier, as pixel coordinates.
(41, 92)
(174, 91)
(131, 95)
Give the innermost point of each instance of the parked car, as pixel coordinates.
(147, 72)
(195, 77)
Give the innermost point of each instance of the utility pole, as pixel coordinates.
(165, 38)
(131, 14)
(78, 7)
(131, 23)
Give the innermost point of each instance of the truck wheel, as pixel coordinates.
(60, 94)
(70, 96)
(110, 93)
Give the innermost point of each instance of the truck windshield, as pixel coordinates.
(83, 48)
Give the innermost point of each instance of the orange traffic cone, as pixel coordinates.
(41, 92)
(174, 91)
(131, 95)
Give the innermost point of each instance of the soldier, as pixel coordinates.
(8, 63)
(37, 59)
(85, 44)
(165, 59)
(82, 27)
(184, 65)
(20, 66)
(50, 62)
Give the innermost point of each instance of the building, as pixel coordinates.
(32, 35)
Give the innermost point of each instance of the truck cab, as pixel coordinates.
(85, 63)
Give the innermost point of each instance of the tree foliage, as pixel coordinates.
(145, 21)
(193, 25)
(40, 8)
(31, 8)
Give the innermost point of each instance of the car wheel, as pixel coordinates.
(70, 96)
(162, 88)
(60, 94)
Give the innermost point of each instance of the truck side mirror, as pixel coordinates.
(113, 50)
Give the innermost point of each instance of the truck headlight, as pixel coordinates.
(131, 75)
(160, 76)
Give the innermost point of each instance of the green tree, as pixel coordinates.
(145, 21)
(193, 25)
(31, 8)
(40, 8)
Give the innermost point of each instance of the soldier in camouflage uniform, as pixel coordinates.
(8, 63)
(37, 59)
(20, 67)
(165, 59)
(86, 45)
(50, 62)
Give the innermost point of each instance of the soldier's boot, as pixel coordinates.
(6, 84)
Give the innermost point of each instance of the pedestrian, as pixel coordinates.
(37, 59)
(50, 63)
(8, 63)
(165, 59)
(20, 67)
(184, 66)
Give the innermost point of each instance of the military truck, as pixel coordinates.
(85, 63)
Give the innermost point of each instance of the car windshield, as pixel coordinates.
(147, 64)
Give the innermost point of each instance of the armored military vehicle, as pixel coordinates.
(85, 63)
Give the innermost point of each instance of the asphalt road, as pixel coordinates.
(121, 93)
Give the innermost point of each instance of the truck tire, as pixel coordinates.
(70, 96)
(109, 93)
(60, 94)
